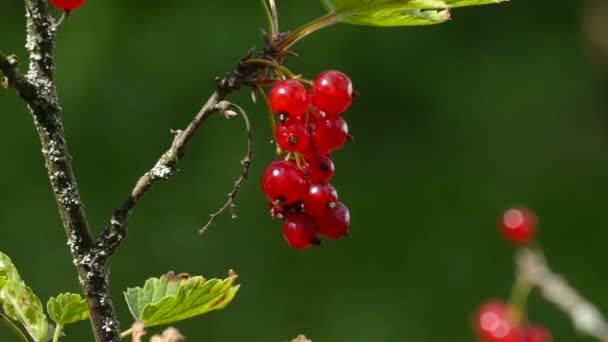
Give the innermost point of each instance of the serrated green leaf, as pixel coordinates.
(166, 300)
(20, 303)
(67, 308)
(396, 12)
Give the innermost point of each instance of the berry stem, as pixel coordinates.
(271, 119)
(286, 73)
(271, 32)
(519, 297)
(311, 27)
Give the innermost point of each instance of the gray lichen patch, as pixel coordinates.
(160, 171)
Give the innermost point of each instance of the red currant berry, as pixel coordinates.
(292, 135)
(279, 210)
(288, 97)
(67, 5)
(334, 223)
(493, 325)
(332, 92)
(320, 198)
(282, 181)
(300, 230)
(518, 226)
(315, 115)
(535, 333)
(329, 134)
(319, 169)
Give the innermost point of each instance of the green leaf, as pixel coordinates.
(173, 298)
(67, 308)
(19, 302)
(396, 12)
(3, 279)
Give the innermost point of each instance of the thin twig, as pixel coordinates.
(166, 166)
(224, 107)
(587, 319)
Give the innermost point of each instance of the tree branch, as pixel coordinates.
(166, 166)
(587, 319)
(38, 90)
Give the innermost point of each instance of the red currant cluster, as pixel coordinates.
(494, 322)
(497, 321)
(310, 129)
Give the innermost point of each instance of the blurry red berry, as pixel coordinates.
(300, 230)
(292, 135)
(67, 5)
(518, 226)
(536, 333)
(320, 198)
(288, 97)
(282, 181)
(334, 223)
(329, 135)
(319, 169)
(332, 92)
(493, 325)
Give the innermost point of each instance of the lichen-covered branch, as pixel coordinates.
(532, 268)
(38, 89)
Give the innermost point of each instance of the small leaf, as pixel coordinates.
(67, 308)
(20, 303)
(3, 279)
(173, 298)
(396, 12)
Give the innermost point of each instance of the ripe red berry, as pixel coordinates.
(288, 97)
(334, 223)
(300, 230)
(518, 226)
(282, 181)
(536, 333)
(492, 323)
(319, 169)
(315, 115)
(320, 198)
(329, 134)
(67, 5)
(292, 135)
(332, 92)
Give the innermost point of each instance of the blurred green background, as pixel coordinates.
(503, 105)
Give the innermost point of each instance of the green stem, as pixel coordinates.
(13, 327)
(126, 333)
(313, 26)
(271, 32)
(57, 333)
(518, 299)
(278, 67)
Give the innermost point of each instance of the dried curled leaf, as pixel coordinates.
(67, 308)
(172, 298)
(396, 12)
(19, 301)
